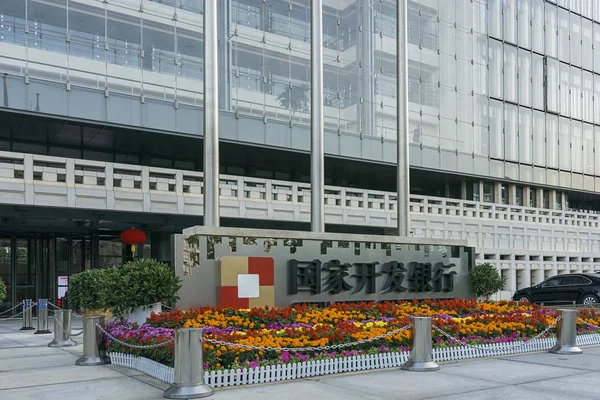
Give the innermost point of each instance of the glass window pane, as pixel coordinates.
(539, 138)
(575, 39)
(563, 35)
(496, 135)
(511, 132)
(431, 131)
(481, 141)
(510, 74)
(496, 64)
(537, 90)
(587, 8)
(465, 137)
(525, 135)
(588, 149)
(597, 45)
(597, 146)
(576, 93)
(576, 146)
(464, 14)
(551, 25)
(524, 36)
(587, 49)
(564, 145)
(448, 139)
(588, 96)
(510, 21)
(86, 29)
(537, 28)
(552, 88)
(565, 96)
(551, 141)
(524, 78)
(495, 18)
(597, 99)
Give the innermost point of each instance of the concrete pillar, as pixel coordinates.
(526, 200)
(525, 278)
(511, 281)
(463, 190)
(552, 198)
(539, 197)
(497, 193)
(512, 194)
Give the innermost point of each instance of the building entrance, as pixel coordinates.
(39, 265)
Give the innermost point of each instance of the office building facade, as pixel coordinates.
(101, 127)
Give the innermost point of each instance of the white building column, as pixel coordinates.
(511, 281)
(211, 116)
(402, 125)
(317, 155)
(526, 200)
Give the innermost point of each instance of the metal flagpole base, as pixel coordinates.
(62, 343)
(89, 361)
(411, 365)
(188, 392)
(558, 349)
(93, 354)
(566, 333)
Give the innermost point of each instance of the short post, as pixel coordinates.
(62, 325)
(42, 318)
(93, 353)
(189, 368)
(566, 333)
(421, 357)
(27, 305)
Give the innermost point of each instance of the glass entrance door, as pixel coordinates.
(24, 267)
(6, 271)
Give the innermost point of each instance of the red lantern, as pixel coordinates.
(133, 237)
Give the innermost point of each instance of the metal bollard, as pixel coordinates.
(566, 333)
(62, 325)
(189, 369)
(93, 353)
(421, 358)
(27, 306)
(42, 318)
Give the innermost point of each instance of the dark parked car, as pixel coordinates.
(568, 288)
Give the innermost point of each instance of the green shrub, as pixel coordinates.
(91, 290)
(2, 291)
(485, 280)
(143, 282)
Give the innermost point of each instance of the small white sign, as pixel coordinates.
(63, 283)
(248, 287)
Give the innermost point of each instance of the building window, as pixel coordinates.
(488, 192)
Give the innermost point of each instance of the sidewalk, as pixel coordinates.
(31, 370)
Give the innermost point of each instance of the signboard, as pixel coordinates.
(63, 284)
(336, 268)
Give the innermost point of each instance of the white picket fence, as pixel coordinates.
(275, 373)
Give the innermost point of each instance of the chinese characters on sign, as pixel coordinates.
(414, 277)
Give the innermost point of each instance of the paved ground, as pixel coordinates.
(31, 370)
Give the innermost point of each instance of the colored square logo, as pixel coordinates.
(246, 282)
(248, 287)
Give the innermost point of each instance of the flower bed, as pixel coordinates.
(305, 326)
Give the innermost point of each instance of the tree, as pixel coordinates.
(485, 280)
(296, 98)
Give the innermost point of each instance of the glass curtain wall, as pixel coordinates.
(508, 87)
